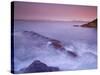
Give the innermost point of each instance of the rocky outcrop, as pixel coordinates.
(57, 44)
(38, 66)
(92, 24)
(43, 40)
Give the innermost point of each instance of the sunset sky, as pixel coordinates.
(59, 12)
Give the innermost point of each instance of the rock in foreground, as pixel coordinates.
(38, 66)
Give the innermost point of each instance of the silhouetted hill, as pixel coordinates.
(92, 24)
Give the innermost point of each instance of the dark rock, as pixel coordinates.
(34, 35)
(38, 66)
(76, 25)
(57, 44)
(92, 24)
(54, 68)
(73, 54)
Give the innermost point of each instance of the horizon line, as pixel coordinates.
(53, 20)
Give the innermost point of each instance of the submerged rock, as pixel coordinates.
(73, 54)
(57, 44)
(76, 25)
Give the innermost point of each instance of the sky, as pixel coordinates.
(56, 12)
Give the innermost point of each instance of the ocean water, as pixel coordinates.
(80, 40)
